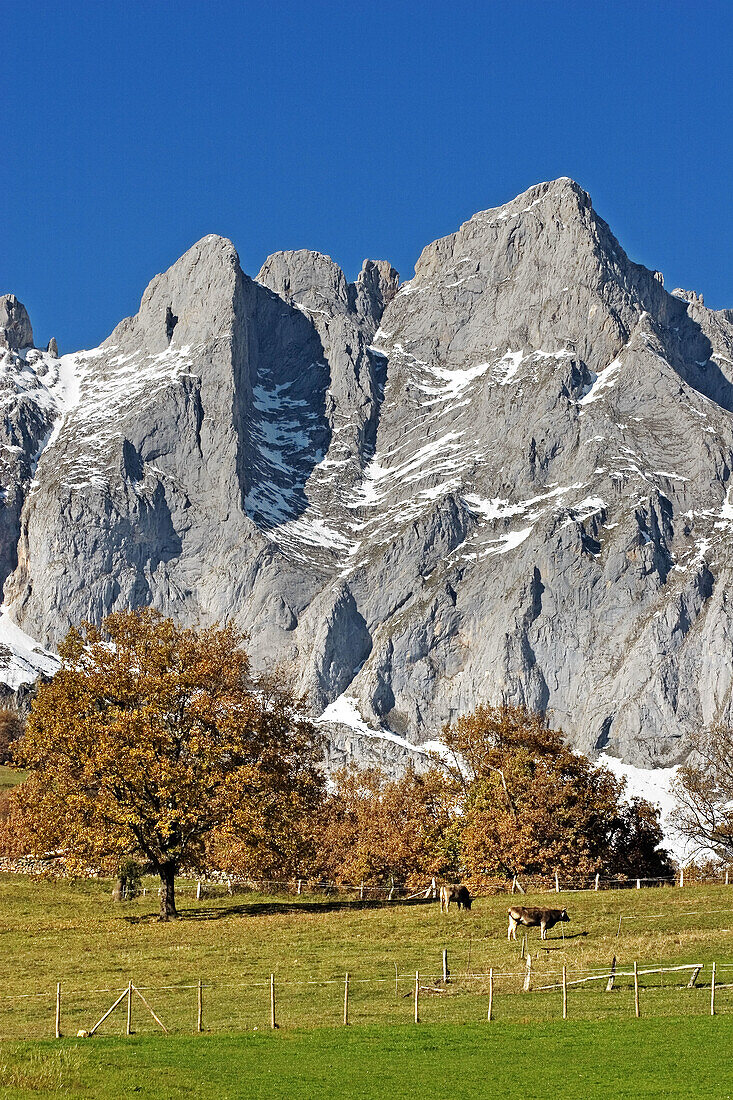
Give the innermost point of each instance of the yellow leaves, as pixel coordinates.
(152, 735)
(531, 803)
(373, 827)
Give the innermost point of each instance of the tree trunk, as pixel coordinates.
(167, 873)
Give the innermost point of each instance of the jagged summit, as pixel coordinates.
(314, 281)
(509, 477)
(185, 304)
(15, 325)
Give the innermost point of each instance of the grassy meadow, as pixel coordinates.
(10, 777)
(647, 1058)
(69, 932)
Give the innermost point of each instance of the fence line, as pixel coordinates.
(408, 984)
(484, 886)
(696, 967)
(210, 882)
(591, 974)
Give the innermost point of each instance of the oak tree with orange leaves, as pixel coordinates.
(156, 740)
(532, 805)
(374, 828)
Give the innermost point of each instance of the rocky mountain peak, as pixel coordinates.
(15, 325)
(308, 278)
(188, 303)
(316, 283)
(519, 485)
(375, 287)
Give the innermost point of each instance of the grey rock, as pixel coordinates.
(507, 478)
(15, 326)
(375, 287)
(53, 348)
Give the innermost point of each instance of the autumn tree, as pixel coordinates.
(373, 828)
(11, 728)
(704, 789)
(532, 805)
(271, 836)
(155, 740)
(635, 840)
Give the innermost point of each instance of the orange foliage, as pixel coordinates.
(373, 828)
(11, 728)
(532, 805)
(154, 739)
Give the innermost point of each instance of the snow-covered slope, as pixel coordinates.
(22, 660)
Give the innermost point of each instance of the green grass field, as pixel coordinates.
(69, 932)
(681, 1057)
(10, 777)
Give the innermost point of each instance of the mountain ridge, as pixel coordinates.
(508, 477)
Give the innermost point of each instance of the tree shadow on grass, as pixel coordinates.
(270, 908)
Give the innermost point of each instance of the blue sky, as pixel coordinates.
(132, 129)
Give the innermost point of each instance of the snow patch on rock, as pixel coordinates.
(22, 660)
(656, 786)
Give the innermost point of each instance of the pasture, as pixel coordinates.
(632, 1059)
(10, 777)
(69, 932)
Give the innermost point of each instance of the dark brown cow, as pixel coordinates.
(458, 894)
(531, 917)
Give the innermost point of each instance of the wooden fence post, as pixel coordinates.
(128, 1030)
(557, 884)
(361, 891)
(612, 976)
(597, 880)
(712, 993)
(682, 877)
(58, 1010)
(693, 977)
(346, 999)
(198, 890)
(109, 1011)
(155, 1017)
(726, 876)
(564, 992)
(638, 884)
(300, 886)
(523, 954)
(514, 885)
(637, 1007)
(417, 996)
(273, 1022)
(200, 1007)
(446, 971)
(528, 975)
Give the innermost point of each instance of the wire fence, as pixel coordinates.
(533, 992)
(213, 883)
(429, 888)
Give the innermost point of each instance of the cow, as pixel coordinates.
(531, 917)
(458, 894)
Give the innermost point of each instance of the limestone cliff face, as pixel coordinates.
(507, 478)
